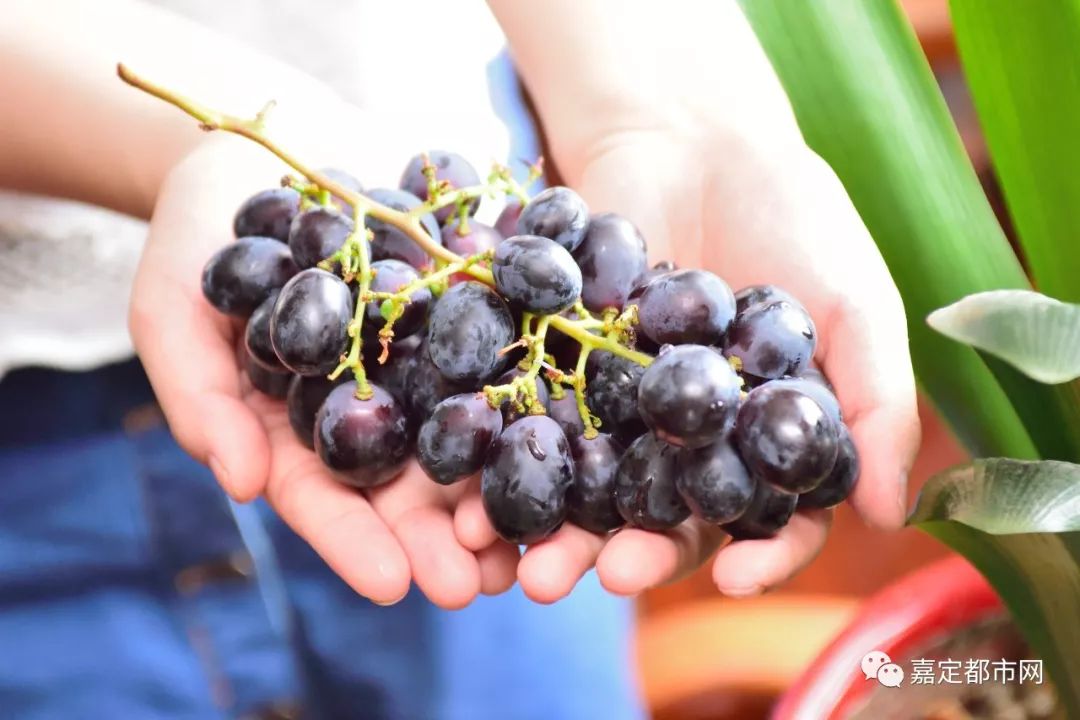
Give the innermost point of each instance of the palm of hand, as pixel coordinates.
(753, 218)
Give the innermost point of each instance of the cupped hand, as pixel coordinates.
(378, 541)
(754, 208)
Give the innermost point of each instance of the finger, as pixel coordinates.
(549, 570)
(635, 560)
(749, 567)
(337, 521)
(866, 356)
(471, 525)
(498, 567)
(419, 516)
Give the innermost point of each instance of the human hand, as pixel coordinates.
(379, 540)
(754, 205)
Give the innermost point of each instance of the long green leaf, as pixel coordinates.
(867, 102)
(1019, 524)
(1022, 63)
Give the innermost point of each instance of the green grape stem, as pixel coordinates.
(354, 256)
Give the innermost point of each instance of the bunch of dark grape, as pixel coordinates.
(541, 352)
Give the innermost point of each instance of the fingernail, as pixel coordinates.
(219, 471)
(901, 498)
(389, 603)
(743, 592)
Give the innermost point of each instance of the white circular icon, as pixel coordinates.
(872, 663)
(890, 675)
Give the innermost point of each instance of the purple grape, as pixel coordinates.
(309, 325)
(612, 258)
(305, 396)
(536, 274)
(840, 482)
(364, 441)
(525, 479)
(269, 382)
(645, 492)
(786, 438)
(591, 497)
(468, 327)
(449, 167)
(316, 234)
(391, 276)
(267, 214)
(714, 482)
(689, 395)
(240, 276)
(770, 510)
(558, 214)
(454, 442)
(686, 306)
(389, 242)
(772, 339)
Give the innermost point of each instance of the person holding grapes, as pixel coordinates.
(677, 123)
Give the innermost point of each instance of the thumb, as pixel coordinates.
(186, 346)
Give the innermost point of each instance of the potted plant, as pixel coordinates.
(867, 102)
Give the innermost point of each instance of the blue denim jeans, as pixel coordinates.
(130, 587)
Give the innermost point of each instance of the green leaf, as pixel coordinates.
(867, 102)
(1022, 63)
(1038, 335)
(1019, 523)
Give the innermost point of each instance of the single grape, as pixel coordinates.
(394, 375)
(689, 395)
(468, 327)
(364, 441)
(536, 274)
(257, 336)
(565, 411)
(761, 294)
(269, 382)
(525, 478)
(454, 442)
(786, 438)
(591, 497)
(305, 396)
(645, 492)
(348, 181)
(267, 214)
(612, 395)
(478, 238)
(509, 410)
(506, 223)
(316, 234)
(841, 480)
(821, 394)
(772, 339)
(449, 167)
(686, 306)
(388, 242)
(612, 260)
(661, 268)
(238, 277)
(558, 214)
(391, 276)
(814, 375)
(309, 325)
(714, 482)
(427, 386)
(770, 509)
